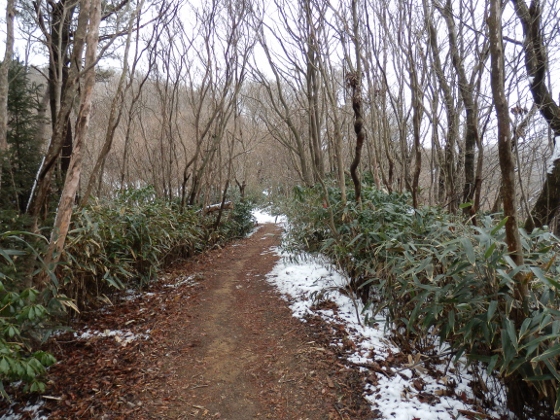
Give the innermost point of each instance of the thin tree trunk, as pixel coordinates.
(447, 163)
(548, 202)
(44, 176)
(417, 111)
(507, 163)
(90, 11)
(312, 95)
(4, 83)
(115, 112)
(471, 123)
(355, 82)
(241, 187)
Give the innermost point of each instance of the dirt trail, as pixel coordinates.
(244, 356)
(222, 345)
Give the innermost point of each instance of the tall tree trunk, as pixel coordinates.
(447, 163)
(61, 18)
(507, 163)
(4, 83)
(43, 180)
(312, 94)
(115, 112)
(90, 17)
(417, 111)
(355, 82)
(471, 123)
(548, 202)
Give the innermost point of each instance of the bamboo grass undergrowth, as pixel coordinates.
(430, 273)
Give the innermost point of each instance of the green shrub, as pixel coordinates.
(25, 313)
(429, 273)
(113, 244)
(240, 222)
(124, 242)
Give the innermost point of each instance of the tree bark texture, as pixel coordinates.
(90, 16)
(548, 201)
(355, 82)
(4, 82)
(115, 112)
(471, 123)
(507, 162)
(417, 111)
(41, 190)
(313, 95)
(447, 184)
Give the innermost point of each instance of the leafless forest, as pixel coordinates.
(454, 103)
(197, 97)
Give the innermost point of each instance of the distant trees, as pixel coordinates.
(424, 90)
(201, 97)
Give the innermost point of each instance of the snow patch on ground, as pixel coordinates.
(555, 155)
(32, 411)
(188, 281)
(263, 217)
(130, 295)
(123, 337)
(305, 281)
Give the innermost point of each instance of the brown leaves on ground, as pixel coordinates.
(221, 344)
(213, 340)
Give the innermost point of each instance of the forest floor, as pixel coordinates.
(214, 339)
(211, 340)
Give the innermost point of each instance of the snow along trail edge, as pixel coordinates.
(306, 281)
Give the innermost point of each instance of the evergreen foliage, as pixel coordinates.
(24, 151)
(113, 244)
(122, 243)
(430, 274)
(25, 312)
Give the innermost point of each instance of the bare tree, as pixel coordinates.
(55, 23)
(536, 63)
(86, 33)
(466, 88)
(507, 162)
(4, 82)
(276, 92)
(354, 79)
(116, 109)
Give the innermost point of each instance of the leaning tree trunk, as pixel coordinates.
(115, 112)
(90, 11)
(44, 176)
(548, 202)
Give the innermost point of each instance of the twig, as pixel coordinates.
(338, 411)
